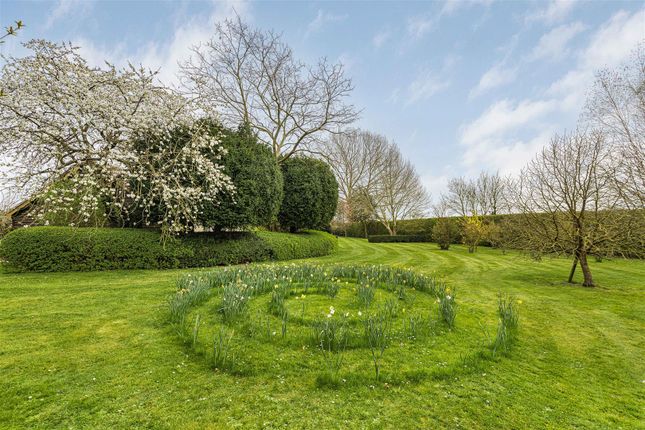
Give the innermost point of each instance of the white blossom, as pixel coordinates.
(62, 119)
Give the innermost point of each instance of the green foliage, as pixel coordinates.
(378, 337)
(257, 179)
(305, 244)
(310, 194)
(399, 238)
(508, 322)
(235, 298)
(473, 231)
(221, 352)
(445, 232)
(447, 306)
(326, 328)
(58, 249)
(5, 224)
(365, 295)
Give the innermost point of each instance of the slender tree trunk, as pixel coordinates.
(588, 280)
(573, 268)
(365, 228)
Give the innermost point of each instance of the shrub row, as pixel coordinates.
(58, 249)
(289, 246)
(399, 238)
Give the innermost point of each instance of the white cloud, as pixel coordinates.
(608, 47)
(166, 56)
(418, 26)
(505, 116)
(65, 8)
(380, 38)
(323, 18)
(554, 12)
(507, 134)
(348, 61)
(451, 6)
(496, 76)
(435, 184)
(554, 44)
(426, 84)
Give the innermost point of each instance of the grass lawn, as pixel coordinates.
(92, 350)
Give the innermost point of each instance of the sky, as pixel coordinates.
(460, 86)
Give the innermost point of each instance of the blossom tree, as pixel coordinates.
(110, 133)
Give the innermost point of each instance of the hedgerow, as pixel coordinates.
(399, 238)
(59, 249)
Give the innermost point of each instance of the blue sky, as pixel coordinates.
(461, 86)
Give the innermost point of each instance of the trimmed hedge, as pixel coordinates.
(59, 249)
(306, 244)
(399, 238)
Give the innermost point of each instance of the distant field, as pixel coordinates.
(92, 350)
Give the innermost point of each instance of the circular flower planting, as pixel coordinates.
(332, 324)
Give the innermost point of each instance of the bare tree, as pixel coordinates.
(482, 196)
(616, 105)
(398, 192)
(461, 196)
(252, 76)
(568, 204)
(490, 193)
(357, 158)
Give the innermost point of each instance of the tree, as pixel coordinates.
(11, 31)
(445, 231)
(461, 196)
(397, 192)
(490, 193)
(112, 134)
(362, 208)
(252, 77)
(256, 177)
(485, 195)
(357, 159)
(310, 194)
(473, 231)
(568, 202)
(616, 105)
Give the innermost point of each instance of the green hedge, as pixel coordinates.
(309, 243)
(58, 249)
(399, 238)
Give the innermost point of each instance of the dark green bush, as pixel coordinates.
(310, 194)
(399, 238)
(257, 179)
(58, 249)
(445, 232)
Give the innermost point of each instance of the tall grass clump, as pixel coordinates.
(365, 295)
(235, 299)
(378, 336)
(447, 306)
(221, 352)
(330, 336)
(278, 298)
(191, 291)
(508, 323)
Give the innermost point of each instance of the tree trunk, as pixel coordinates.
(588, 280)
(573, 268)
(365, 228)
